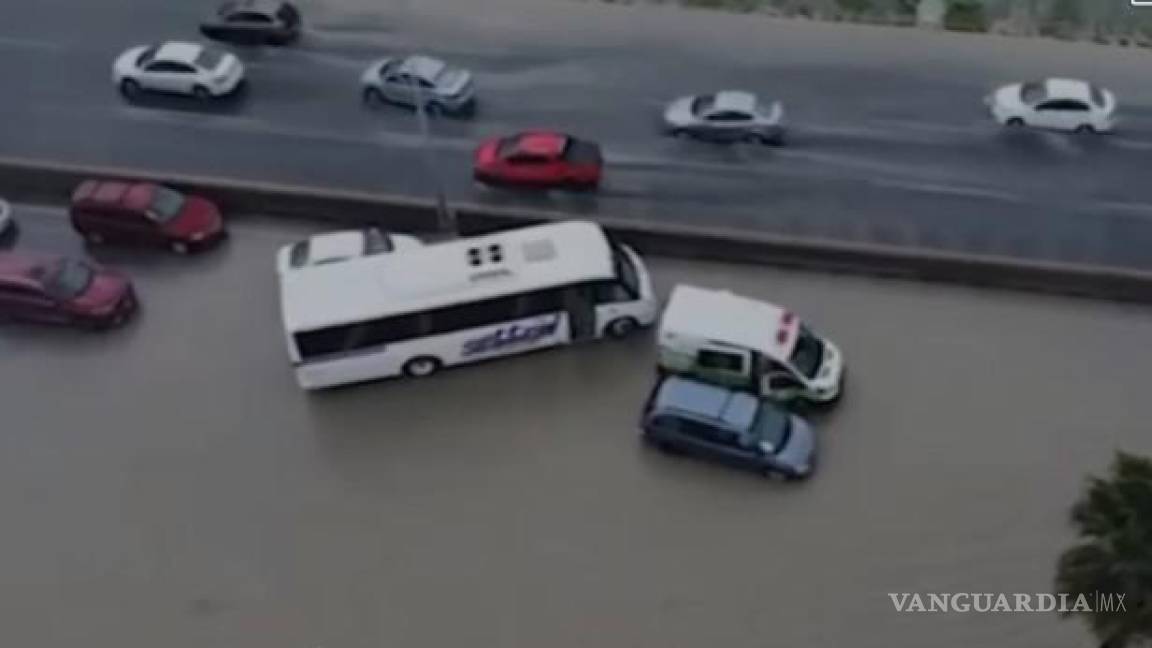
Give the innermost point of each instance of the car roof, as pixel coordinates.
(133, 195)
(737, 100)
(734, 409)
(424, 67)
(721, 316)
(1058, 88)
(264, 6)
(548, 143)
(345, 243)
(179, 51)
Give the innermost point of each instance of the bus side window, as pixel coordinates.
(539, 303)
(610, 292)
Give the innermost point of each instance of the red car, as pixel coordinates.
(61, 290)
(539, 159)
(144, 213)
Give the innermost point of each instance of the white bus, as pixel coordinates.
(416, 311)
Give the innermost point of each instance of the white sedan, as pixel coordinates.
(178, 68)
(1060, 104)
(335, 247)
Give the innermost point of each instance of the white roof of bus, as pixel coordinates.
(440, 274)
(722, 316)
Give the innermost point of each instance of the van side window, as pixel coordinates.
(719, 360)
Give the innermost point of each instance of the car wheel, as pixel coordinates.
(201, 93)
(421, 367)
(433, 109)
(796, 476)
(180, 247)
(1015, 122)
(373, 96)
(129, 88)
(622, 327)
(1086, 129)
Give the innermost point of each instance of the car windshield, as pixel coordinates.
(1033, 92)
(209, 58)
(146, 56)
(376, 242)
(703, 104)
(808, 353)
(1097, 96)
(68, 279)
(771, 426)
(165, 205)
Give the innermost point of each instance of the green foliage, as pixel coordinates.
(965, 15)
(854, 7)
(727, 5)
(1114, 521)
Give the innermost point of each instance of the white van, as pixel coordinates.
(731, 340)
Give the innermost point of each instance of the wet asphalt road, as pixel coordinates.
(167, 484)
(891, 142)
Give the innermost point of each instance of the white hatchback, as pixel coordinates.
(1059, 104)
(178, 68)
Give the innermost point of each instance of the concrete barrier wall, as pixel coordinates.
(39, 182)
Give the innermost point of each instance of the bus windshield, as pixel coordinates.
(626, 271)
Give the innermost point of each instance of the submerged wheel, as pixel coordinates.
(421, 367)
(622, 327)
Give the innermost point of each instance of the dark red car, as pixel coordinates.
(62, 290)
(144, 213)
(544, 159)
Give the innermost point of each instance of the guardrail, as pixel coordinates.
(44, 182)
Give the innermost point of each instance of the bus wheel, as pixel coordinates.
(622, 327)
(421, 367)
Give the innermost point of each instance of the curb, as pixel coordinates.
(37, 181)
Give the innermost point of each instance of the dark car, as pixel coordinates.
(144, 213)
(541, 159)
(61, 290)
(254, 22)
(733, 427)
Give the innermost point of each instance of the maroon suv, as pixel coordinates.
(62, 290)
(144, 213)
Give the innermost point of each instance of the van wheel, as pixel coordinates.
(421, 367)
(622, 327)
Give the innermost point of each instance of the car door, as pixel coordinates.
(781, 385)
(397, 87)
(531, 169)
(727, 125)
(249, 27)
(1063, 114)
(136, 227)
(160, 76)
(30, 304)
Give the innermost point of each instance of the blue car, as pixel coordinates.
(734, 427)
